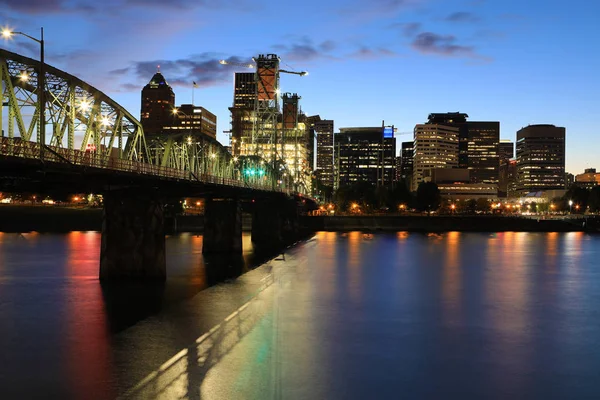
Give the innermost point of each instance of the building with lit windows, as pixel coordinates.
(193, 121)
(158, 101)
(435, 146)
(483, 159)
(365, 155)
(589, 179)
(540, 158)
(478, 145)
(242, 111)
(406, 163)
(506, 150)
(325, 152)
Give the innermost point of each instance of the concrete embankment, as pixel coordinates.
(441, 224)
(65, 219)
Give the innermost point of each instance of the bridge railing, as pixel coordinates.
(16, 147)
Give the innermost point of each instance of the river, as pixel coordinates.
(341, 316)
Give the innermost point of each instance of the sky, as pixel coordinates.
(514, 61)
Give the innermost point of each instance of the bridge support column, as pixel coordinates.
(133, 238)
(222, 227)
(274, 223)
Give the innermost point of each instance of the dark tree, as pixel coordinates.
(428, 197)
(593, 200)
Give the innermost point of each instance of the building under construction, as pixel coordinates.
(260, 127)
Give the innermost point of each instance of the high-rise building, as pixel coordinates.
(506, 150)
(458, 120)
(192, 121)
(309, 125)
(507, 183)
(482, 151)
(158, 101)
(244, 95)
(398, 168)
(293, 143)
(365, 155)
(435, 146)
(477, 145)
(325, 151)
(406, 169)
(540, 158)
(569, 180)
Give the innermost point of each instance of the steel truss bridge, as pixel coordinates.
(88, 129)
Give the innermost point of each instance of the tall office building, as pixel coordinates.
(309, 126)
(365, 155)
(244, 94)
(477, 145)
(482, 151)
(158, 101)
(435, 146)
(406, 168)
(506, 150)
(325, 152)
(398, 168)
(457, 120)
(294, 142)
(540, 158)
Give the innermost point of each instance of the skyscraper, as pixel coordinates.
(158, 101)
(477, 145)
(192, 121)
(540, 158)
(325, 152)
(482, 151)
(506, 150)
(244, 94)
(406, 168)
(365, 155)
(435, 146)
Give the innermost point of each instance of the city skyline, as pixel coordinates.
(396, 61)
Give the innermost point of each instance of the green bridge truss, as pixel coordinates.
(84, 126)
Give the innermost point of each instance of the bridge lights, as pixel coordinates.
(24, 77)
(84, 105)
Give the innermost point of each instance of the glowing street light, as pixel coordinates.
(41, 82)
(570, 206)
(23, 77)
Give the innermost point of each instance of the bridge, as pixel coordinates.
(95, 146)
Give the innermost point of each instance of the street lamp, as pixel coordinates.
(570, 206)
(7, 33)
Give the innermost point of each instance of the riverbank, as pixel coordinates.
(463, 223)
(66, 219)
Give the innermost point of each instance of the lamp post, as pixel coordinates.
(570, 206)
(41, 81)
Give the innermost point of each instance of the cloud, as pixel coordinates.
(304, 49)
(366, 53)
(445, 45)
(111, 6)
(203, 69)
(462, 16)
(377, 8)
(409, 29)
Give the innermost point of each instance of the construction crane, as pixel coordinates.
(252, 66)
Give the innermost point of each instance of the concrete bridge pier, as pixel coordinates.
(222, 227)
(274, 223)
(133, 237)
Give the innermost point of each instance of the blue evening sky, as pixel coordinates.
(516, 61)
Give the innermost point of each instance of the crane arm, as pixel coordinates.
(301, 73)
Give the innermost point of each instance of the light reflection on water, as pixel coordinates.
(456, 315)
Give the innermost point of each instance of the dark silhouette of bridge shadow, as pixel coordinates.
(182, 376)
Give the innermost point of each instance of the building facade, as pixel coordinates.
(192, 120)
(242, 111)
(365, 155)
(158, 102)
(406, 168)
(325, 152)
(506, 150)
(540, 158)
(435, 146)
(589, 179)
(483, 159)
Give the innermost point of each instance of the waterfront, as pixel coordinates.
(345, 315)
